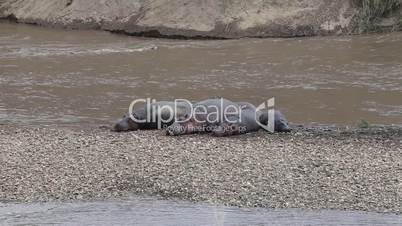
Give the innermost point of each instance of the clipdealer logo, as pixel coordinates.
(267, 107)
(218, 113)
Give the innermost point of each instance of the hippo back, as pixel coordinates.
(249, 116)
(166, 111)
(214, 109)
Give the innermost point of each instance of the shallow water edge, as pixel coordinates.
(153, 211)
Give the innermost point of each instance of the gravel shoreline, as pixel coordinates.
(316, 167)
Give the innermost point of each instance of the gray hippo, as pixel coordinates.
(157, 115)
(251, 121)
(246, 124)
(281, 123)
(222, 117)
(205, 117)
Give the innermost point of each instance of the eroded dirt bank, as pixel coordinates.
(356, 169)
(195, 19)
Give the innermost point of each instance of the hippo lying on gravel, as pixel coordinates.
(153, 116)
(281, 123)
(223, 117)
(218, 116)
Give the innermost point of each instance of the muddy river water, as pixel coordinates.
(151, 211)
(50, 76)
(53, 77)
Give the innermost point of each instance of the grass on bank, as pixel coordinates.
(363, 124)
(371, 12)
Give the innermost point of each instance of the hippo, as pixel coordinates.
(149, 117)
(281, 123)
(249, 120)
(207, 115)
(246, 124)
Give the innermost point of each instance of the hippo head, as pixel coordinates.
(126, 124)
(281, 123)
(282, 126)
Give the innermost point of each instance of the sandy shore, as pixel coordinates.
(309, 168)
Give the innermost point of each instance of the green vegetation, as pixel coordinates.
(363, 124)
(373, 10)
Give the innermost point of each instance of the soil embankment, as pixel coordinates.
(205, 19)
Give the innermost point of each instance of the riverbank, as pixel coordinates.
(210, 19)
(325, 168)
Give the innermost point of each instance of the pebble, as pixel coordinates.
(330, 168)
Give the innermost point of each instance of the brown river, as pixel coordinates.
(76, 78)
(51, 77)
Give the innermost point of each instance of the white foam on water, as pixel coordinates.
(16, 51)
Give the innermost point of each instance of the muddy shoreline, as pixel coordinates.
(313, 168)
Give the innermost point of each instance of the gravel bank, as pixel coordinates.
(309, 168)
